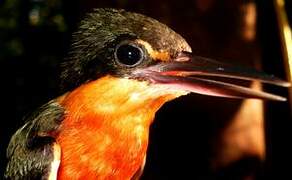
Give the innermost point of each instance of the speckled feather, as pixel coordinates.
(30, 150)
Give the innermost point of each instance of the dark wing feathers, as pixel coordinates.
(30, 151)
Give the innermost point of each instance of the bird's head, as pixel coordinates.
(121, 69)
(149, 54)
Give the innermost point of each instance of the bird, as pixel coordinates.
(121, 68)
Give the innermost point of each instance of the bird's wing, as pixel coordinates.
(33, 152)
(139, 172)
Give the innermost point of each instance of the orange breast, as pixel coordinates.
(99, 152)
(105, 132)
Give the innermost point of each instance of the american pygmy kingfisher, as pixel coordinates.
(121, 69)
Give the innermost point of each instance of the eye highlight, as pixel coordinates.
(128, 54)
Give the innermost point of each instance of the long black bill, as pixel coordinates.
(193, 73)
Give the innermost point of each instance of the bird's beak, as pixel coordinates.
(194, 74)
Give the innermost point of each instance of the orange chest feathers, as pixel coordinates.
(105, 132)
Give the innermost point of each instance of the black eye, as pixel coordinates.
(129, 55)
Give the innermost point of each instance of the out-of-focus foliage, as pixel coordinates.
(47, 13)
(10, 43)
(18, 17)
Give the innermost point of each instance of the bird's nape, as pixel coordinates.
(194, 74)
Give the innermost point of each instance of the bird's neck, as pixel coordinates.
(108, 119)
(119, 99)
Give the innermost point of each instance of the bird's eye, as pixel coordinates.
(129, 54)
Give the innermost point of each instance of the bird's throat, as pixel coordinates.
(117, 99)
(106, 127)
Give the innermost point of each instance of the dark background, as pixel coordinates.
(35, 36)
